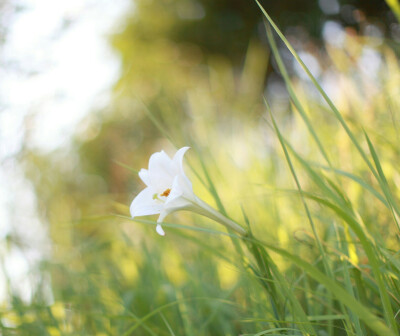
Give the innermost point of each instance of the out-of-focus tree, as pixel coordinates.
(225, 27)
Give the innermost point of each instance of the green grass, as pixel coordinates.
(315, 184)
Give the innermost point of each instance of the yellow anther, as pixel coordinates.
(166, 192)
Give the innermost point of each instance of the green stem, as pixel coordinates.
(202, 208)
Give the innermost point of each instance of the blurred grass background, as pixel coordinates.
(195, 73)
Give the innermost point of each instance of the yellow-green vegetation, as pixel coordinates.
(313, 177)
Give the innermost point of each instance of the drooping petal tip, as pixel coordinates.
(160, 230)
(178, 158)
(163, 213)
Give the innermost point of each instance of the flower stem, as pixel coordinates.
(204, 209)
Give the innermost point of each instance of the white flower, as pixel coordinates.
(168, 189)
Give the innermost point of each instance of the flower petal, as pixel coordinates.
(160, 230)
(144, 176)
(164, 213)
(144, 204)
(178, 199)
(176, 190)
(161, 171)
(178, 158)
(184, 181)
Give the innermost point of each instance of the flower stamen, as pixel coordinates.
(166, 192)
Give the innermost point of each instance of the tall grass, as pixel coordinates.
(313, 179)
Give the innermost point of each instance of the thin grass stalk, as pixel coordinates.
(325, 260)
(365, 239)
(347, 281)
(333, 108)
(371, 320)
(293, 95)
(321, 91)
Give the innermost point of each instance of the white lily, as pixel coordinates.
(168, 189)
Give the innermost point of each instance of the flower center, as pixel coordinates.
(166, 192)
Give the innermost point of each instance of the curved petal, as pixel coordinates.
(144, 204)
(164, 213)
(181, 186)
(178, 159)
(185, 185)
(177, 198)
(144, 176)
(176, 190)
(175, 201)
(160, 230)
(161, 171)
(184, 181)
